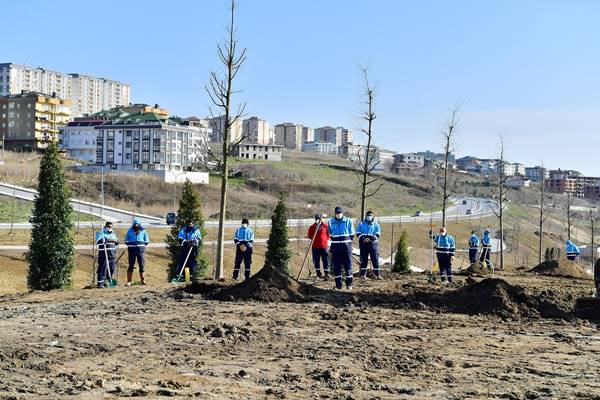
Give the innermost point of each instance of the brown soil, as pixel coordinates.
(390, 339)
(564, 268)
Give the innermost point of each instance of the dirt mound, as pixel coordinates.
(268, 285)
(493, 296)
(565, 269)
(477, 269)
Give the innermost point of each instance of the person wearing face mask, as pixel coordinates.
(189, 238)
(368, 232)
(319, 234)
(107, 249)
(136, 240)
(341, 230)
(486, 250)
(473, 247)
(445, 248)
(572, 251)
(243, 239)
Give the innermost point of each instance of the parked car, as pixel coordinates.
(469, 212)
(31, 219)
(464, 201)
(171, 218)
(418, 214)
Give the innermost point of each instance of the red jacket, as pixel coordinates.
(322, 236)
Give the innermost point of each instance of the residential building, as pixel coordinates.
(517, 182)
(519, 169)
(78, 139)
(147, 141)
(469, 164)
(352, 152)
(592, 192)
(289, 135)
(562, 182)
(256, 151)
(383, 159)
(439, 157)
(30, 119)
(217, 126)
(308, 134)
(329, 134)
(347, 136)
(488, 166)
(536, 173)
(256, 131)
(320, 148)
(409, 160)
(88, 94)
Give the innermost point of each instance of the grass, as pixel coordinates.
(20, 210)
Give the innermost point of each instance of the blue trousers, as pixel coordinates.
(445, 264)
(320, 255)
(136, 254)
(191, 262)
(102, 272)
(367, 250)
(486, 254)
(342, 258)
(571, 257)
(472, 256)
(246, 257)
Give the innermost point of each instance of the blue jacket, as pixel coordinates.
(444, 244)
(108, 239)
(473, 242)
(341, 230)
(139, 240)
(243, 236)
(366, 229)
(194, 236)
(486, 241)
(572, 249)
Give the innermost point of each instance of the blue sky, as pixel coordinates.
(527, 69)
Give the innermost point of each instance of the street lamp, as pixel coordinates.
(176, 175)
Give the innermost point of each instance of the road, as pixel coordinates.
(480, 207)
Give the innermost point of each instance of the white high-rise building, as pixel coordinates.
(308, 134)
(256, 131)
(88, 94)
(289, 136)
(217, 126)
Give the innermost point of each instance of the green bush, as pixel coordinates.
(402, 257)
(278, 254)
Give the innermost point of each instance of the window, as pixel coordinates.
(146, 134)
(110, 157)
(136, 146)
(136, 134)
(11, 105)
(128, 156)
(128, 134)
(11, 114)
(156, 144)
(128, 145)
(111, 135)
(136, 158)
(146, 145)
(28, 105)
(145, 157)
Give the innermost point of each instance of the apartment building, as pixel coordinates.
(29, 120)
(329, 134)
(289, 136)
(308, 134)
(217, 127)
(320, 148)
(257, 131)
(78, 139)
(88, 94)
(409, 160)
(536, 173)
(562, 182)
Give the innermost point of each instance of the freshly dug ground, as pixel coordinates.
(564, 268)
(380, 341)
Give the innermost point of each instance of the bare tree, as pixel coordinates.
(448, 134)
(593, 219)
(499, 193)
(367, 162)
(570, 200)
(543, 216)
(220, 90)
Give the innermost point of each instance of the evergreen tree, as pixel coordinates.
(402, 258)
(190, 207)
(51, 250)
(278, 254)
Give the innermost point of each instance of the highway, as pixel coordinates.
(480, 207)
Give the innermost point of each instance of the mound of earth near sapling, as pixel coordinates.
(563, 268)
(268, 285)
(494, 296)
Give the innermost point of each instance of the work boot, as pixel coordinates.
(443, 278)
(101, 286)
(128, 284)
(379, 277)
(142, 280)
(350, 287)
(336, 289)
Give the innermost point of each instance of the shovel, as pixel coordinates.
(177, 279)
(111, 282)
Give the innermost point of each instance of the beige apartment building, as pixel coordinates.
(289, 136)
(88, 94)
(29, 120)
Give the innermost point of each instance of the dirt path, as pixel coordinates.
(91, 344)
